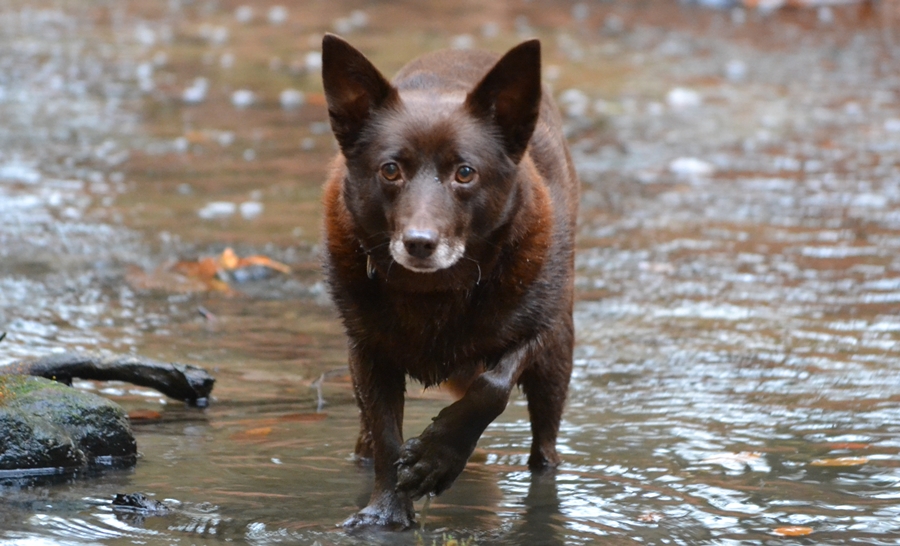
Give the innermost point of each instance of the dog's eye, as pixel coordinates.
(390, 172)
(465, 174)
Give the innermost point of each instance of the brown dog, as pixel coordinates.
(449, 225)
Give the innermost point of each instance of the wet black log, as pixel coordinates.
(179, 381)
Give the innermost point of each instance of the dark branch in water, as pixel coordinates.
(179, 381)
(2, 336)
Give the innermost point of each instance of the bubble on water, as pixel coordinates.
(215, 34)
(574, 102)
(462, 41)
(225, 138)
(16, 170)
(490, 29)
(736, 70)
(691, 167)
(613, 24)
(291, 99)
(160, 58)
(181, 144)
(196, 93)
(359, 18)
(217, 209)
(343, 25)
(251, 209)
(312, 61)
(680, 98)
(243, 14)
(243, 98)
(580, 11)
(277, 15)
(145, 35)
(892, 125)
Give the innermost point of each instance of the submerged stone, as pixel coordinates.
(49, 427)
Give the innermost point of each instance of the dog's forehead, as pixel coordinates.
(429, 123)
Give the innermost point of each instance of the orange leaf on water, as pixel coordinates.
(650, 517)
(303, 417)
(848, 445)
(793, 531)
(205, 268)
(228, 259)
(144, 415)
(252, 434)
(840, 461)
(265, 262)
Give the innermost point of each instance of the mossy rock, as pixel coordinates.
(49, 427)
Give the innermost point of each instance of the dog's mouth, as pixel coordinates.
(422, 255)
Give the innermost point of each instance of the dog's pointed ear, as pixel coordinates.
(510, 96)
(354, 89)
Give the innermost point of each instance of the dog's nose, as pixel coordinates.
(420, 243)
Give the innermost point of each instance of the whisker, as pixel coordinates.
(478, 265)
(486, 240)
(388, 272)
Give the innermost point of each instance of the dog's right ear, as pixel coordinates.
(354, 89)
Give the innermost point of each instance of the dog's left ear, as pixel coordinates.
(354, 90)
(510, 96)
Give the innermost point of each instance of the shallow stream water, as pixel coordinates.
(738, 269)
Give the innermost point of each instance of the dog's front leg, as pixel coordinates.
(432, 461)
(379, 393)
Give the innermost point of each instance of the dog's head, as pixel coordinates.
(431, 169)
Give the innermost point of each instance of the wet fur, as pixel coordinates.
(498, 317)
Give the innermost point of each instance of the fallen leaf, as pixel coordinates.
(793, 531)
(650, 517)
(228, 259)
(848, 445)
(262, 261)
(303, 417)
(252, 434)
(144, 415)
(210, 270)
(742, 457)
(840, 461)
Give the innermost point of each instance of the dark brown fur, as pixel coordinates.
(499, 316)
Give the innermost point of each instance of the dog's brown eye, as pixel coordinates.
(390, 172)
(465, 174)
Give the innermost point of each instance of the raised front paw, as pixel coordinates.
(429, 464)
(391, 511)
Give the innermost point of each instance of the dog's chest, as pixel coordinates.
(434, 336)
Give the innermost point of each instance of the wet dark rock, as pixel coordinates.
(138, 502)
(49, 427)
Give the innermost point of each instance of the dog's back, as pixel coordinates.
(449, 222)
